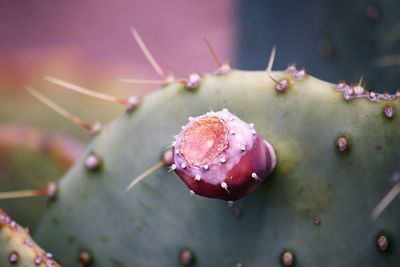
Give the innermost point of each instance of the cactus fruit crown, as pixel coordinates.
(329, 151)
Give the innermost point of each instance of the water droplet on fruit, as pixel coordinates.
(92, 162)
(287, 259)
(13, 257)
(342, 143)
(186, 258)
(389, 112)
(383, 243)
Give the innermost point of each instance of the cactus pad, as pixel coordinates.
(336, 146)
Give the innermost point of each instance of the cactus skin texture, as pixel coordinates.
(313, 210)
(17, 247)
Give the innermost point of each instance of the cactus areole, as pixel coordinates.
(218, 155)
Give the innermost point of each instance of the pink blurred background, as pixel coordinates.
(91, 40)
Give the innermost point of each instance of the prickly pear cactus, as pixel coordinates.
(18, 249)
(336, 148)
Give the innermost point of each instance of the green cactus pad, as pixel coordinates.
(17, 247)
(313, 210)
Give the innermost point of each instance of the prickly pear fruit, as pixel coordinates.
(18, 249)
(218, 155)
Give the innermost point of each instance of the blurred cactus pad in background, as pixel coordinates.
(148, 146)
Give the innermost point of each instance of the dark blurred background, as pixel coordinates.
(333, 40)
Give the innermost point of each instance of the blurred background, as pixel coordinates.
(89, 43)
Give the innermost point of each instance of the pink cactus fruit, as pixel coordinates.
(218, 155)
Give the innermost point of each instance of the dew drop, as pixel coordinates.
(358, 90)
(13, 258)
(348, 93)
(342, 143)
(287, 259)
(340, 86)
(389, 112)
(299, 75)
(186, 258)
(282, 85)
(92, 162)
(382, 243)
(85, 258)
(167, 157)
(133, 103)
(194, 81)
